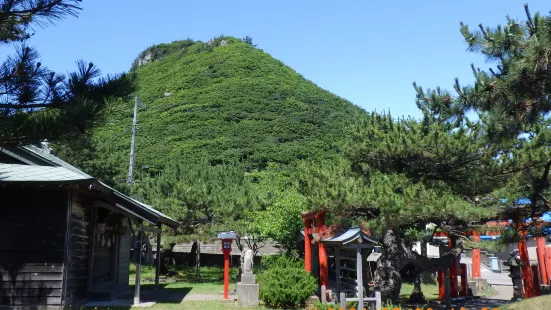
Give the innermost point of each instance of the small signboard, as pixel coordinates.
(374, 257)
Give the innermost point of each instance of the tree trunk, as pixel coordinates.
(198, 261)
(396, 255)
(191, 256)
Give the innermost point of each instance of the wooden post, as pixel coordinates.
(441, 285)
(307, 244)
(322, 256)
(536, 280)
(198, 260)
(453, 270)
(441, 280)
(540, 250)
(138, 250)
(447, 296)
(338, 270)
(464, 291)
(158, 269)
(526, 269)
(359, 274)
(476, 257)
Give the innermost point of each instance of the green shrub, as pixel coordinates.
(327, 306)
(280, 261)
(286, 287)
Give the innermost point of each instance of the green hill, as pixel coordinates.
(223, 100)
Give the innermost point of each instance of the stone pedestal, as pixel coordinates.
(545, 289)
(481, 284)
(473, 288)
(247, 291)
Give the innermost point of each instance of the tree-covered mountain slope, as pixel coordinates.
(224, 100)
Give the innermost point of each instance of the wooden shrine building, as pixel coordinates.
(65, 237)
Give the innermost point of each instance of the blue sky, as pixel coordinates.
(368, 52)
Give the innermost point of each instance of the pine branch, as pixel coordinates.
(540, 185)
(16, 16)
(27, 106)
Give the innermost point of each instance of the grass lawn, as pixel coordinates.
(210, 282)
(431, 291)
(536, 303)
(182, 281)
(191, 305)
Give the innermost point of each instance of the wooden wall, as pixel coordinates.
(78, 251)
(124, 255)
(32, 239)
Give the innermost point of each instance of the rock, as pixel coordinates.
(147, 58)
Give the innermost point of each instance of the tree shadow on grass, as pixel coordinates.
(162, 295)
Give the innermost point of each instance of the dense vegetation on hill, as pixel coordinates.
(224, 100)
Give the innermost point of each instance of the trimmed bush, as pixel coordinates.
(280, 261)
(286, 287)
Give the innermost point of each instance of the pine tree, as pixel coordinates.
(202, 197)
(402, 175)
(512, 101)
(37, 104)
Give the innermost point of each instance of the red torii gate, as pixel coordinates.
(531, 277)
(314, 222)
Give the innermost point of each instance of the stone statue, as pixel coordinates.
(248, 261)
(247, 289)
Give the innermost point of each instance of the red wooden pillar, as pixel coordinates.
(441, 290)
(324, 269)
(226, 249)
(307, 243)
(536, 280)
(526, 269)
(453, 270)
(475, 272)
(548, 261)
(540, 249)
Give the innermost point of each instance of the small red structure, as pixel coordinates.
(453, 270)
(314, 222)
(227, 238)
(540, 250)
(536, 281)
(529, 290)
(476, 256)
(548, 261)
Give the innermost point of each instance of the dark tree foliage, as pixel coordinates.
(249, 41)
(36, 103)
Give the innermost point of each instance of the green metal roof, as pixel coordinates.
(26, 173)
(39, 165)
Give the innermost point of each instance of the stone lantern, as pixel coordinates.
(515, 273)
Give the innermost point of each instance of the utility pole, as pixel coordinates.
(133, 143)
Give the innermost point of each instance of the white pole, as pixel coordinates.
(378, 304)
(133, 143)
